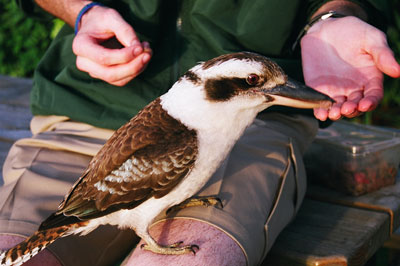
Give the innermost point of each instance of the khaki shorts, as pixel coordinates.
(261, 183)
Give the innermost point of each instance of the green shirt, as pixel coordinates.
(181, 33)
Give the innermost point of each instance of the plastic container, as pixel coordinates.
(354, 158)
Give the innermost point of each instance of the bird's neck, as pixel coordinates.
(188, 104)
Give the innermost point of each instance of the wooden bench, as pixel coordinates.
(334, 229)
(331, 229)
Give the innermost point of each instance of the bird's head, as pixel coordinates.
(238, 82)
(245, 74)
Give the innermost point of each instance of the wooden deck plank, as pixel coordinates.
(330, 234)
(15, 114)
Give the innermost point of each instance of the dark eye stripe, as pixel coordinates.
(225, 88)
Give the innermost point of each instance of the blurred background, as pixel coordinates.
(24, 40)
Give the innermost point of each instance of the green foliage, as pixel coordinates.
(23, 40)
(57, 25)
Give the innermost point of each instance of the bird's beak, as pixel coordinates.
(298, 95)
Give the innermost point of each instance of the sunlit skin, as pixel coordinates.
(346, 59)
(115, 66)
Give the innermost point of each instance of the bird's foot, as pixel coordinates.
(173, 249)
(199, 201)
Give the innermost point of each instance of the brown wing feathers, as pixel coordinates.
(161, 151)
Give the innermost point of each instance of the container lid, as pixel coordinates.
(357, 139)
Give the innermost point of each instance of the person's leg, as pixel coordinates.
(217, 248)
(261, 185)
(36, 179)
(261, 195)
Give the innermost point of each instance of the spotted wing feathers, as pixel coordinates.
(145, 158)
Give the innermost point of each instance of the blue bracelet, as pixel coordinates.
(82, 12)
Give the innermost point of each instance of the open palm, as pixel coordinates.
(346, 58)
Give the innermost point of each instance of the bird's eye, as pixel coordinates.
(252, 79)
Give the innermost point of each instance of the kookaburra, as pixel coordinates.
(169, 150)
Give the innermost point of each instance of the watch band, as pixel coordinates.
(323, 16)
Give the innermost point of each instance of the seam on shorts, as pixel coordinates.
(276, 203)
(281, 186)
(292, 158)
(278, 198)
(298, 197)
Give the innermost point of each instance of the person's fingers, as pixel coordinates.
(120, 28)
(350, 106)
(321, 114)
(145, 60)
(88, 47)
(373, 94)
(386, 62)
(114, 73)
(377, 47)
(146, 48)
(335, 112)
(368, 104)
(355, 114)
(106, 38)
(123, 82)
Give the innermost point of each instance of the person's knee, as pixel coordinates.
(215, 246)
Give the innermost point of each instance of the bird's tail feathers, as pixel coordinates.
(28, 248)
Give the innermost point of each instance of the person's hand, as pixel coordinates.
(107, 47)
(345, 58)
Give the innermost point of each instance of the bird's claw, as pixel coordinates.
(194, 249)
(199, 201)
(173, 249)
